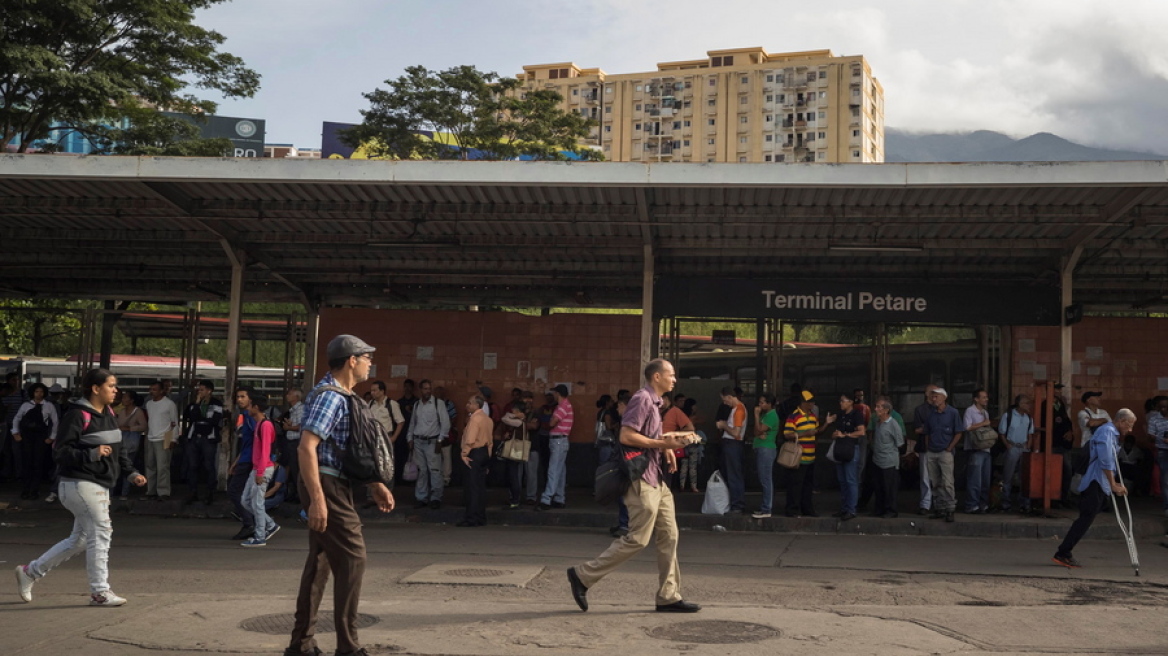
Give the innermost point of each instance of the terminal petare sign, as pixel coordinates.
(859, 301)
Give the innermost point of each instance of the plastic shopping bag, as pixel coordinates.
(717, 501)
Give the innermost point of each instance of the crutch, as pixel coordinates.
(1128, 531)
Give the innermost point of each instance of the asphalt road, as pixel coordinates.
(190, 588)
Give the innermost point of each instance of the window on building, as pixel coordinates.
(677, 125)
(608, 128)
(688, 84)
(768, 158)
(811, 76)
(822, 114)
(770, 118)
(715, 61)
(638, 107)
(685, 143)
(823, 75)
(782, 97)
(608, 89)
(728, 60)
(711, 102)
(710, 142)
(685, 104)
(741, 119)
(677, 144)
(770, 78)
(770, 98)
(575, 92)
(553, 74)
(855, 133)
(856, 71)
(742, 100)
(741, 140)
(745, 79)
(709, 160)
(855, 92)
(712, 80)
(636, 126)
(608, 110)
(781, 158)
(855, 153)
(709, 121)
(855, 111)
(820, 155)
(686, 124)
(780, 78)
(822, 135)
(823, 95)
(741, 160)
(770, 138)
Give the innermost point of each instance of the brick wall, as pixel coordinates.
(596, 353)
(1124, 358)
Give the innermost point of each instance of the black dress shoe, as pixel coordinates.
(838, 513)
(846, 517)
(557, 504)
(421, 504)
(678, 607)
(435, 505)
(542, 507)
(579, 590)
(245, 533)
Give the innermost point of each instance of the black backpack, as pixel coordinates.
(368, 457)
(33, 424)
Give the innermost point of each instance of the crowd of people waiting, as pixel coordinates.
(874, 451)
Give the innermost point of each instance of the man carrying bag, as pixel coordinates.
(650, 502)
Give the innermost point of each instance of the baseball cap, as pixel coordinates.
(485, 391)
(562, 389)
(941, 391)
(1087, 395)
(808, 396)
(56, 389)
(343, 346)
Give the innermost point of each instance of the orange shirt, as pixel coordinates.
(674, 419)
(479, 428)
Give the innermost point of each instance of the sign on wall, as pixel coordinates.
(859, 301)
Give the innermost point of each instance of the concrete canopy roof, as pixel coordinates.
(342, 232)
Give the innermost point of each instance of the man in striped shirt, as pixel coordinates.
(803, 425)
(561, 427)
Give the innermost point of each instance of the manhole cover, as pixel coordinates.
(982, 603)
(714, 632)
(281, 623)
(477, 573)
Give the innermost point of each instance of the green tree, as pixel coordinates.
(155, 134)
(45, 327)
(83, 64)
(466, 110)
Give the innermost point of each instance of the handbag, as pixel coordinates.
(983, 438)
(410, 473)
(634, 462)
(842, 450)
(790, 454)
(611, 483)
(518, 448)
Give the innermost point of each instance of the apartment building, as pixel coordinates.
(737, 105)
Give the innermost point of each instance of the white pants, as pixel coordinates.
(253, 497)
(157, 468)
(92, 533)
(447, 464)
(926, 485)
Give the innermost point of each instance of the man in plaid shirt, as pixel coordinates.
(335, 541)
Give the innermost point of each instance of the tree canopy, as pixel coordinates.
(87, 64)
(154, 134)
(469, 114)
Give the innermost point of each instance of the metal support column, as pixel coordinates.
(1066, 279)
(760, 362)
(238, 258)
(311, 336)
(648, 324)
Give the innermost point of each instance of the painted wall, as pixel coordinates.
(594, 353)
(1125, 358)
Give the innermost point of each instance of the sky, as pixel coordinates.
(1092, 71)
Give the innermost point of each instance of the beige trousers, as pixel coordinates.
(651, 514)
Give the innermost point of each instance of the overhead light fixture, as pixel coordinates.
(877, 248)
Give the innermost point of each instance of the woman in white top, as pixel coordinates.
(33, 429)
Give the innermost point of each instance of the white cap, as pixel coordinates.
(941, 391)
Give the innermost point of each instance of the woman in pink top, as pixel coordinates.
(262, 467)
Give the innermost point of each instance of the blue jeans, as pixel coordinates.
(557, 470)
(1013, 456)
(253, 498)
(1162, 459)
(607, 451)
(977, 476)
(765, 459)
(733, 452)
(849, 480)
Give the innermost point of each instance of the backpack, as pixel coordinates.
(368, 458)
(33, 425)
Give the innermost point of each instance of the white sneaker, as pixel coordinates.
(761, 515)
(51, 498)
(107, 598)
(24, 583)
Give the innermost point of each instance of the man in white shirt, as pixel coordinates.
(162, 419)
(291, 425)
(429, 424)
(1091, 416)
(386, 410)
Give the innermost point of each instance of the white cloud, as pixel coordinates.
(1090, 71)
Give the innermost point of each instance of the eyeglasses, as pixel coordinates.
(364, 356)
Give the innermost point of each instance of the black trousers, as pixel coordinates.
(801, 490)
(515, 471)
(871, 478)
(200, 456)
(33, 452)
(476, 486)
(886, 484)
(235, 486)
(1091, 502)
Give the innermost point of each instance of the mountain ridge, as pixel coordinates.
(990, 146)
